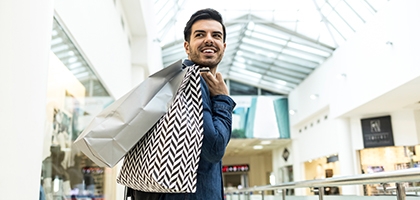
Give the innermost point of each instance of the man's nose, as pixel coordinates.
(208, 39)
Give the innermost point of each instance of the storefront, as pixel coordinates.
(74, 96)
(374, 160)
(325, 167)
(235, 176)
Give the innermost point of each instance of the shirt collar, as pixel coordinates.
(187, 63)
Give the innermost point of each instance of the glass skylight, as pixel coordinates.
(278, 39)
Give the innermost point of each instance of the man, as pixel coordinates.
(205, 37)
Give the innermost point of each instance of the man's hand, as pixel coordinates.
(215, 83)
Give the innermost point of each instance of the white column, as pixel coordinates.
(346, 153)
(25, 35)
(298, 168)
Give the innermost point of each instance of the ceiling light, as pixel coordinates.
(280, 82)
(258, 147)
(266, 142)
(292, 112)
(314, 96)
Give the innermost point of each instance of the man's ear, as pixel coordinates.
(187, 47)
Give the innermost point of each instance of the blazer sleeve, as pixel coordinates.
(217, 125)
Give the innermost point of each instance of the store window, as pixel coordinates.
(374, 160)
(74, 96)
(321, 168)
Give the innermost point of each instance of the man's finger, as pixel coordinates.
(219, 76)
(208, 76)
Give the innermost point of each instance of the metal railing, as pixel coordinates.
(398, 177)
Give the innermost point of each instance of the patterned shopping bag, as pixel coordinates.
(166, 158)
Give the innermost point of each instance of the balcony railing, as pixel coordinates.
(398, 177)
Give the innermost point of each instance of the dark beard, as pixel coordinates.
(209, 64)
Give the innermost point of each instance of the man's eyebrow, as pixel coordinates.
(202, 31)
(199, 31)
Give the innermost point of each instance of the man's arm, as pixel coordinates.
(217, 116)
(217, 127)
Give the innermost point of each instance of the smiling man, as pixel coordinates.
(205, 45)
(205, 37)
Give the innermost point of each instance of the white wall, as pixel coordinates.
(25, 38)
(146, 56)
(404, 128)
(319, 139)
(154, 51)
(417, 120)
(96, 27)
(317, 83)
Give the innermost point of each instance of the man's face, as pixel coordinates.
(206, 46)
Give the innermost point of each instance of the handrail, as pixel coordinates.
(399, 176)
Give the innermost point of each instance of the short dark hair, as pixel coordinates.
(207, 13)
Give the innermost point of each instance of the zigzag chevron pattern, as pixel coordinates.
(166, 158)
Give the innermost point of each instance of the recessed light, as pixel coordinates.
(266, 142)
(292, 112)
(258, 147)
(314, 96)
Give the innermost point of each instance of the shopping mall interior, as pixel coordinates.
(323, 88)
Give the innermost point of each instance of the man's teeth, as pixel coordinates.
(208, 51)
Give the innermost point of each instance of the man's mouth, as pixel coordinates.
(208, 51)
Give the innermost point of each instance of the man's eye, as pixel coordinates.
(199, 35)
(217, 36)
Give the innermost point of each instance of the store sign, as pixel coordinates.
(377, 132)
(235, 168)
(332, 159)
